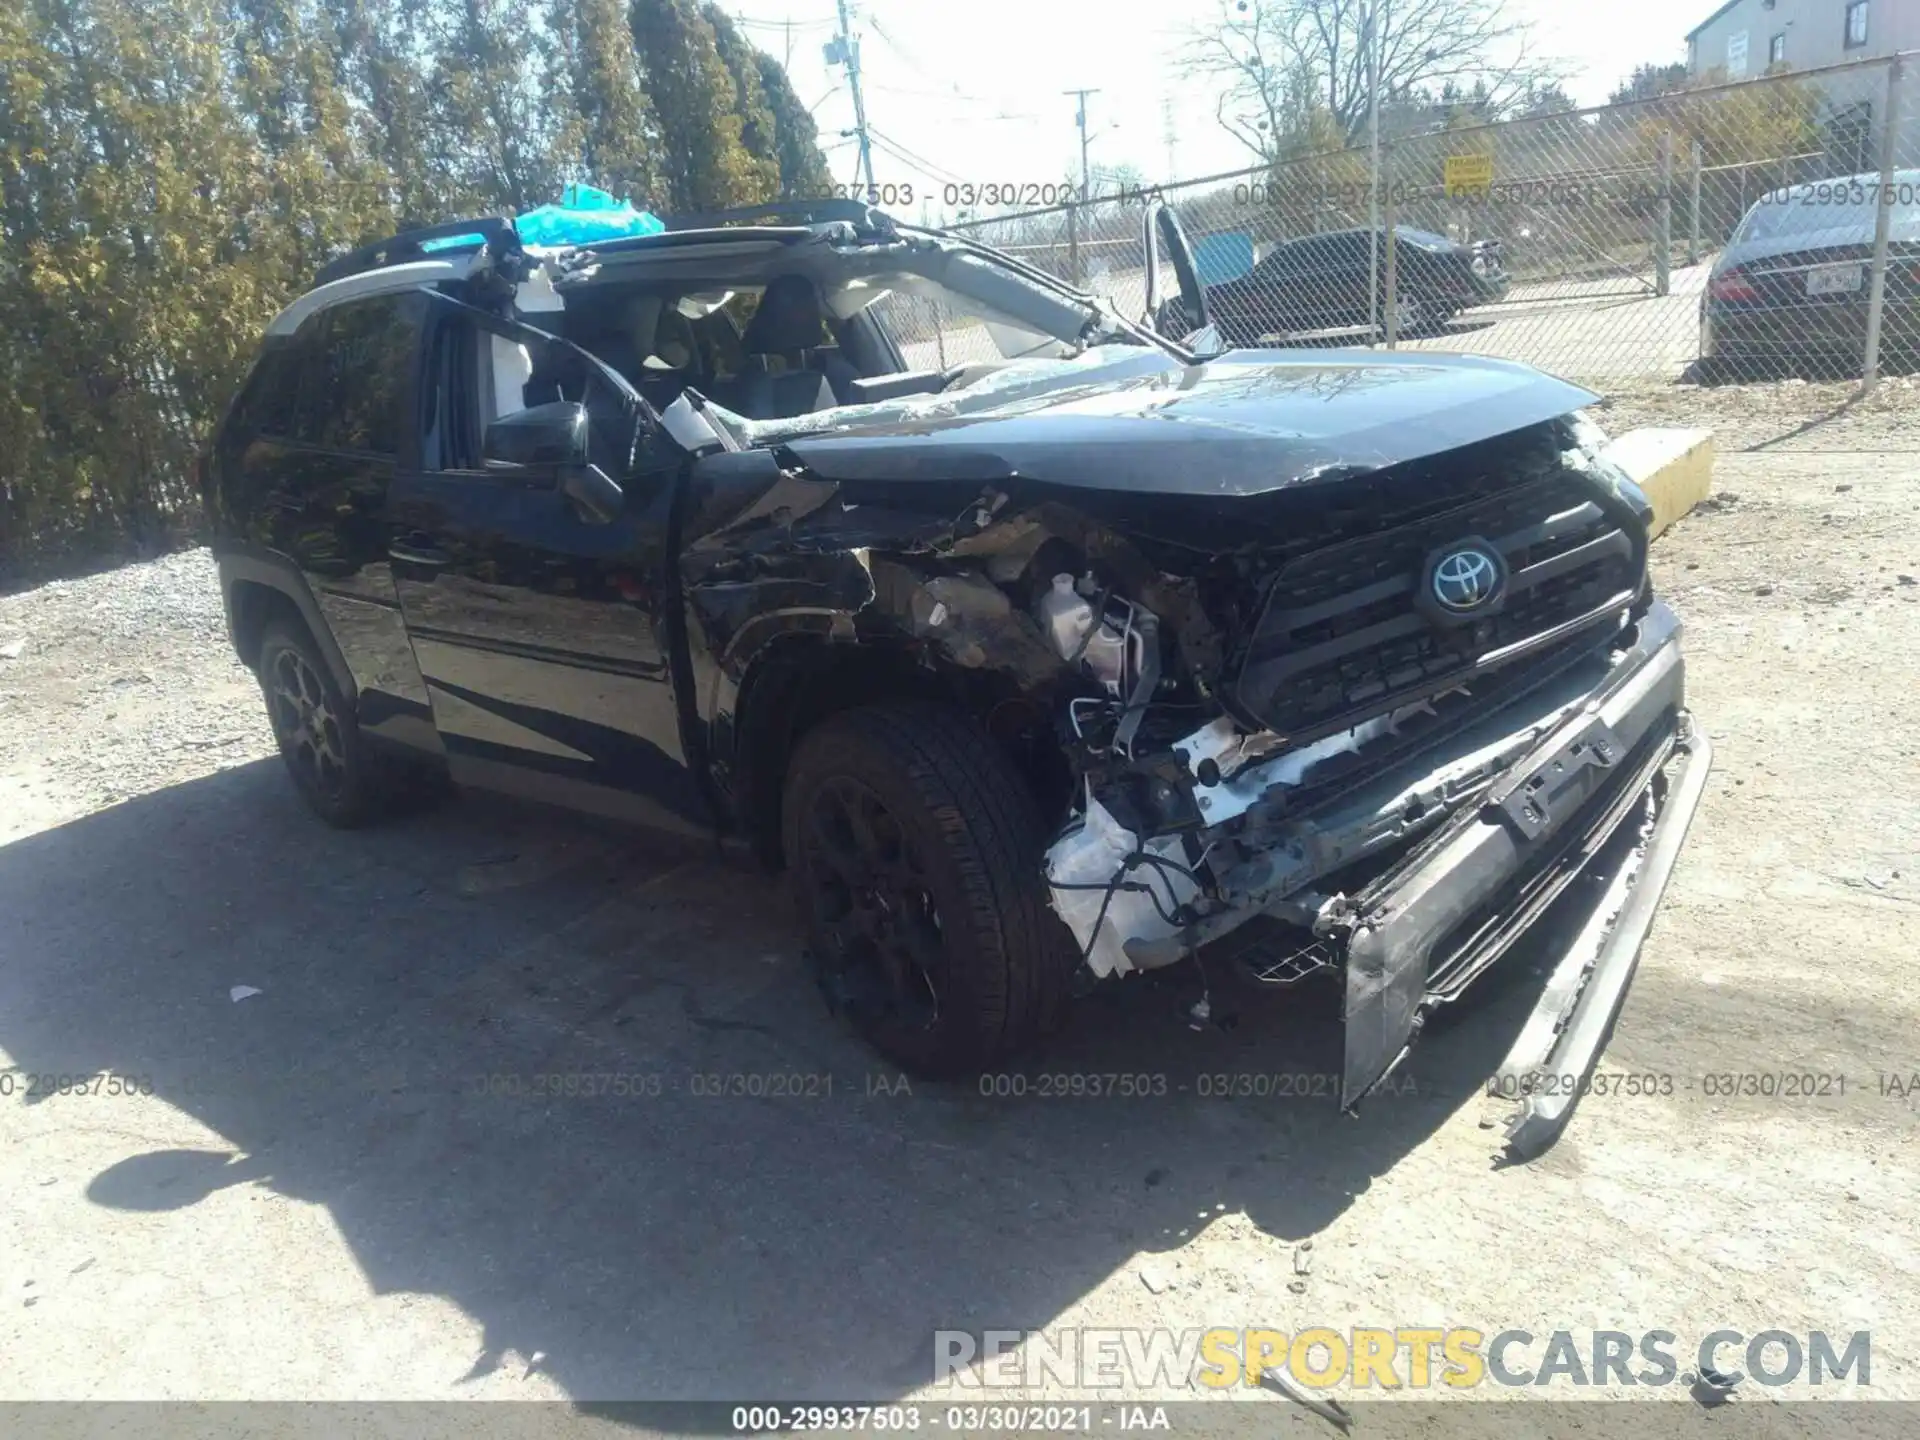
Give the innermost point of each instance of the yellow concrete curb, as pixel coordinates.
(1674, 467)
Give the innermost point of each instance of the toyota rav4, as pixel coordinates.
(1037, 647)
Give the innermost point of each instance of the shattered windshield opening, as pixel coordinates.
(774, 326)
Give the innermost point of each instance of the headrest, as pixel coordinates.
(788, 318)
(669, 355)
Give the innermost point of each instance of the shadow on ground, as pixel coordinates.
(418, 981)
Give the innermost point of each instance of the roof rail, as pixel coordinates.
(482, 230)
(861, 216)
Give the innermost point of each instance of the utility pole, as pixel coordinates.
(1086, 180)
(1373, 162)
(1080, 119)
(844, 49)
(1882, 223)
(1167, 133)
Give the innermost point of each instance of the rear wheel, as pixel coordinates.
(315, 727)
(916, 855)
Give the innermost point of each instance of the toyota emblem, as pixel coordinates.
(1466, 579)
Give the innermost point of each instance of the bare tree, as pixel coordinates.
(1298, 69)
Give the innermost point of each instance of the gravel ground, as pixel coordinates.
(1793, 416)
(314, 1203)
(118, 684)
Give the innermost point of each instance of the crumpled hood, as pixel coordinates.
(1137, 420)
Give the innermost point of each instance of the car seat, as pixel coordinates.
(788, 326)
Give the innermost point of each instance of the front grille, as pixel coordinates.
(1341, 638)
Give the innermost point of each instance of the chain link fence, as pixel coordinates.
(1724, 233)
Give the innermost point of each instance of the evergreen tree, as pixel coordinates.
(619, 133)
(174, 171)
(704, 165)
(757, 132)
(377, 43)
(495, 139)
(803, 169)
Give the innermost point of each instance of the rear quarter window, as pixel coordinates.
(355, 382)
(265, 405)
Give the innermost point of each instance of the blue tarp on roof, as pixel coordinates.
(583, 216)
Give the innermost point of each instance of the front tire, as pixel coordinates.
(916, 855)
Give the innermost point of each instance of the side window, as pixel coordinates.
(266, 402)
(1285, 260)
(1348, 250)
(356, 380)
(480, 369)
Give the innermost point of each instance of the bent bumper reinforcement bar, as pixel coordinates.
(1575, 1014)
(1493, 870)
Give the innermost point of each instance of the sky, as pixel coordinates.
(974, 91)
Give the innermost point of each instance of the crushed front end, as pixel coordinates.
(1393, 734)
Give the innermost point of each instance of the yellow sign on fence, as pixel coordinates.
(1469, 174)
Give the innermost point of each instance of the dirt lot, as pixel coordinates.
(348, 1185)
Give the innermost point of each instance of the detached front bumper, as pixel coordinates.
(1608, 795)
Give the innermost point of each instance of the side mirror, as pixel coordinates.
(551, 441)
(1166, 235)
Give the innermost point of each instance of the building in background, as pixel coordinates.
(1745, 38)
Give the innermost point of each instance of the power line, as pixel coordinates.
(901, 152)
(913, 61)
(753, 24)
(914, 162)
(954, 93)
(947, 87)
(1023, 116)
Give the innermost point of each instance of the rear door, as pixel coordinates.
(307, 458)
(544, 637)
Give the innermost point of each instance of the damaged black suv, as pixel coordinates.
(1036, 646)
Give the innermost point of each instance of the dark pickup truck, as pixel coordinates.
(1037, 647)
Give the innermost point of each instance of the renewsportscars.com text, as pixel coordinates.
(1416, 1357)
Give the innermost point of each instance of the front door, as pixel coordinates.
(542, 634)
